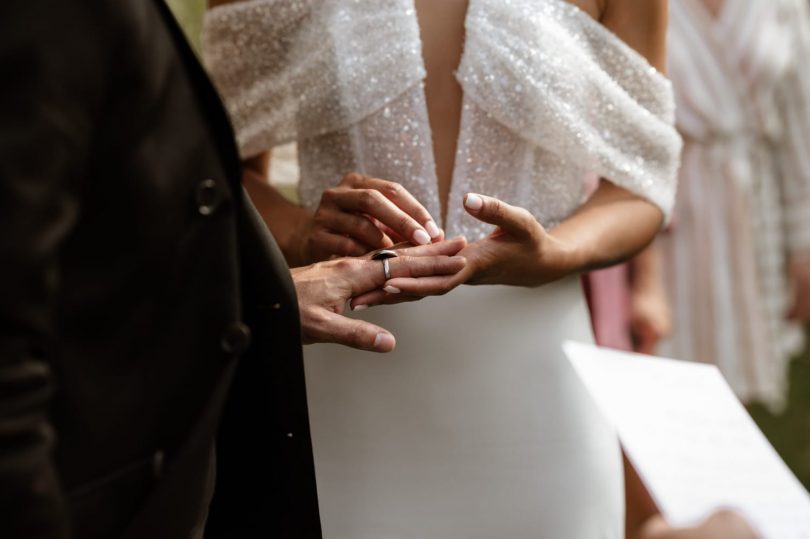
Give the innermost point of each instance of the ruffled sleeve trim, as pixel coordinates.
(292, 70)
(564, 82)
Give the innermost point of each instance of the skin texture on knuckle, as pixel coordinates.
(535, 236)
(329, 196)
(344, 265)
(353, 179)
(526, 219)
(321, 217)
(405, 224)
(496, 208)
(382, 240)
(368, 228)
(360, 338)
(393, 189)
(366, 200)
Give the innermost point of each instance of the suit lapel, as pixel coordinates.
(215, 113)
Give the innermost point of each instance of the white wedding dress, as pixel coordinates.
(476, 426)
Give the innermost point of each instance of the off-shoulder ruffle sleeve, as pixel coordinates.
(561, 80)
(291, 70)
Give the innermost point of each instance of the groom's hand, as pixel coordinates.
(323, 290)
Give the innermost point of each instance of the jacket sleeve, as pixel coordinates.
(45, 132)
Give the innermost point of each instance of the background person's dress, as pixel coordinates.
(742, 84)
(475, 427)
(609, 303)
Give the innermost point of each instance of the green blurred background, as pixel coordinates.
(789, 431)
(189, 13)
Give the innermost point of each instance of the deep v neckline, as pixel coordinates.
(444, 208)
(456, 183)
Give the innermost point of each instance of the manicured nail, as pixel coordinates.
(421, 237)
(473, 202)
(383, 341)
(360, 307)
(433, 229)
(392, 289)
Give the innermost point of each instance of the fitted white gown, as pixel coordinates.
(476, 426)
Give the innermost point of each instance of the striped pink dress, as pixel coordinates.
(742, 84)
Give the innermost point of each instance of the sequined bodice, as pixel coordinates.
(549, 95)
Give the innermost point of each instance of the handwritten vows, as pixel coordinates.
(693, 444)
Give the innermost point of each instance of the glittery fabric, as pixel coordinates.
(549, 95)
(292, 69)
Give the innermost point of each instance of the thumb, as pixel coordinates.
(513, 220)
(339, 329)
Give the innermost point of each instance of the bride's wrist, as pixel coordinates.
(561, 257)
(297, 245)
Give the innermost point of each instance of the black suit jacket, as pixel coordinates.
(132, 275)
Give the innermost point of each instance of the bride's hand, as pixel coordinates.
(362, 214)
(519, 252)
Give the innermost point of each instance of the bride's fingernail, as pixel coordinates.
(383, 341)
(474, 202)
(421, 237)
(392, 289)
(360, 307)
(433, 229)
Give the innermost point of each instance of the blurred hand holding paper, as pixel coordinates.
(691, 441)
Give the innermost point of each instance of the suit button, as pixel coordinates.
(207, 197)
(235, 339)
(158, 461)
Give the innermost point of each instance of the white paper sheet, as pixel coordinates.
(693, 444)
